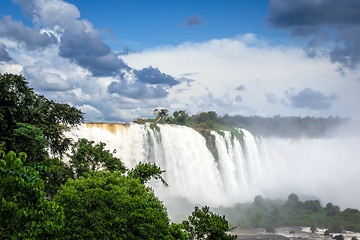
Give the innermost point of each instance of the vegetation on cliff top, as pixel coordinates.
(266, 126)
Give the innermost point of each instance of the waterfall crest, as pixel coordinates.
(237, 174)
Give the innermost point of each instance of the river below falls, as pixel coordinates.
(283, 233)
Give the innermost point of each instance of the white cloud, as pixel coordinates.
(221, 66)
(210, 74)
(92, 114)
(10, 68)
(224, 64)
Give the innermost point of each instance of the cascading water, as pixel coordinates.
(242, 167)
(238, 173)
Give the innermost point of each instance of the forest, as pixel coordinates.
(92, 195)
(270, 213)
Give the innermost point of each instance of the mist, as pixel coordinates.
(323, 168)
(326, 168)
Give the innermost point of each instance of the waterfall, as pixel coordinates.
(244, 165)
(237, 174)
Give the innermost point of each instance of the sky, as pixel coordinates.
(119, 60)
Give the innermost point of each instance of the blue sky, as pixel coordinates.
(143, 24)
(293, 58)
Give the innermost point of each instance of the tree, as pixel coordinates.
(203, 224)
(105, 205)
(207, 119)
(293, 198)
(33, 124)
(86, 156)
(292, 205)
(181, 118)
(313, 205)
(260, 202)
(177, 231)
(19, 104)
(332, 210)
(160, 113)
(24, 211)
(145, 171)
(30, 139)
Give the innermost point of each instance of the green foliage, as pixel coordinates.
(33, 124)
(107, 205)
(260, 202)
(285, 126)
(339, 237)
(86, 156)
(350, 219)
(203, 224)
(336, 228)
(332, 210)
(145, 171)
(161, 114)
(30, 139)
(312, 205)
(180, 118)
(155, 127)
(207, 120)
(293, 198)
(293, 212)
(177, 232)
(20, 104)
(55, 173)
(210, 142)
(270, 229)
(24, 212)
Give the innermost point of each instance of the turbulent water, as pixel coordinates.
(242, 169)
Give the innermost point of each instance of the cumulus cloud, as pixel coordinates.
(45, 81)
(79, 42)
(222, 105)
(154, 76)
(92, 114)
(4, 54)
(316, 20)
(137, 90)
(82, 70)
(89, 51)
(29, 38)
(73, 64)
(308, 98)
(237, 63)
(194, 20)
(49, 12)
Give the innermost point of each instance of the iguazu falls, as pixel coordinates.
(180, 120)
(241, 167)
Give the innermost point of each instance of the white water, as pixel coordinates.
(328, 169)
